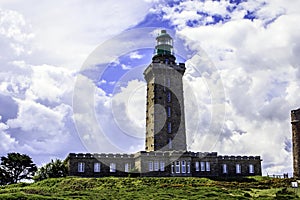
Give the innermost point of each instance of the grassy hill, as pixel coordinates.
(150, 188)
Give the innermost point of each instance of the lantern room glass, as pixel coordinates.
(164, 44)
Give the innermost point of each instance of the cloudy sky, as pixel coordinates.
(71, 75)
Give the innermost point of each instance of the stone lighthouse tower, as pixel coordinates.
(295, 120)
(165, 121)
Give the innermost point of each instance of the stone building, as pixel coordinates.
(165, 142)
(295, 119)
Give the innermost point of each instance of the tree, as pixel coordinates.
(54, 169)
(3, 176)
(16, 167)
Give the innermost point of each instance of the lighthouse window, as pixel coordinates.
(224, 168)
(150, 166)
(207, 166)
(238, 168)
(197, 166)
(162, 166)
(251, 169)
(177, 167)
(97, 167)
(202, 165)
(183, 167)
(81, 167)
(188, 165)
(169, 127)
(127, 167)
(156, 165)
(170, 143)
(169, 96)
(112, 167)
(169, 111)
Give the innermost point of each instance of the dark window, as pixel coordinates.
(169, 96)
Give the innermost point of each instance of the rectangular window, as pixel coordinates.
(150, 166)
(127, 167)
(156, 165)
(81, 166)
(207, 166)
(251, 169)
(169, 96)
(170, 143)
(112, 167)
(97, 167)
(202, 165)
(177, 167)
(162, 166)
(224, 168)
(169, 111)
(197, 166)
(169, 127)
(238, 168)
(188, 165)
(183, 167)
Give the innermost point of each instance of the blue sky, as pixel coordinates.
(71, 75)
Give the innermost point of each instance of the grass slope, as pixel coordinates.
(150, 188)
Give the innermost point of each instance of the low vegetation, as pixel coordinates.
(151, 188)
(54, 169)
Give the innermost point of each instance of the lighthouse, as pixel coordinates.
(165, 120)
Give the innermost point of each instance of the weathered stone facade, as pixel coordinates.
(165, 144)
(165, 121)
(163, 164)
(295, 120)
(89, 163)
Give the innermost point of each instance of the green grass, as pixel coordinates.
(151, 188)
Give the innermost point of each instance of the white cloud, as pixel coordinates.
(110, 123)
(15, 34)
(66, 32)
(135, 55)
(129, 106)
(39, 129)
(125, 67)
(51, 83)
(88, 100)
(101, 82)
(49, 120)
(13, 26)
(7, 142)
(112, 82)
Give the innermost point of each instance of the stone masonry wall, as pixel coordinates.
(295, 120)
(165, 90)
(104, 159)
(140, 161)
